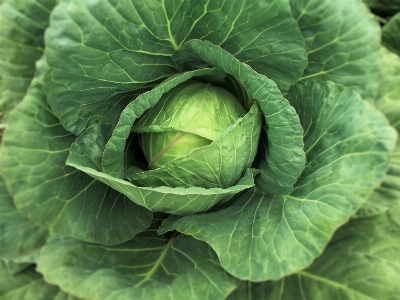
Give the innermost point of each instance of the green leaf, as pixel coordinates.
(261, 237)
(388, 101)
(22, 24)
(391, 34)
(64, 296)
(98, 48)
(178, 201)
(53, 195)
(100, 151)
(19, 237)
(15, 267)
(258, 33)
(248, 290)
(388, 193)
(146, 267)
(388, 98)
(284, 155)
(342, 42)
(384, 7)
(26, 285)
(361, 263)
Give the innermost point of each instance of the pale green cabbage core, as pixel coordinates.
(189, 117)
(163, 147)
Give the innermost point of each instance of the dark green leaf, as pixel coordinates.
(98, 48)
(26, 285)
(19, 237)
(391, 34)
(342, 41)
(384, 7)
(361, 263)
(15, 267)
(22, 24)
(54, 195)
(146, 267)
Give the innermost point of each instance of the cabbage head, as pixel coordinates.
(193, 149)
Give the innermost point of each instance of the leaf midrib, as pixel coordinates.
(332, 283)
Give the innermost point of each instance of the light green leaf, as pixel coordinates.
(260, 237)
(22, 24)
(97, 48)
(388, 98)
(388, 101)
(53, 195)
(342, 41)
(391, 34)
(284, 156)
(361, 263)
(147, 267)
(192, 107)
(160, 148)
(26, 285)
(64, 296)
(211, 166)
(388, 193)
(248, 290)
(19, 237)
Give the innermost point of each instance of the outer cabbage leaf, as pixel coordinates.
(342, 41)
(361, 263)
(146, 267)
(25, 286)
(284, 155)
(22, 24)
(100, 152)
(65, 296)
(98, 48)
(20, 239)
(15, 267)
(56, 196)
(258, 33)
(391, 34)
(260, 237)
(28, 285)
(388, 101)
(358, 268)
